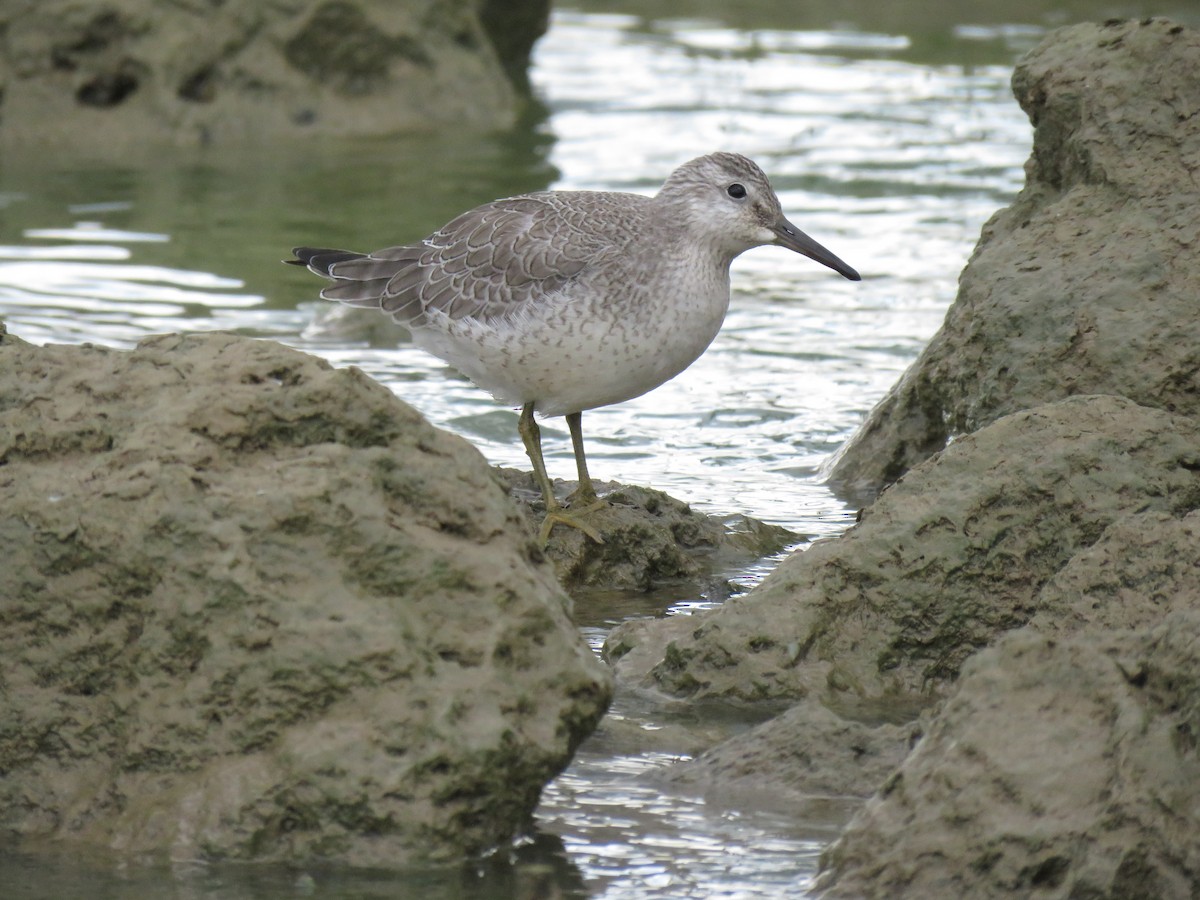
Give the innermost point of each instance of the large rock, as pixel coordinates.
(944, 562)
(1059, 769)
(254, 607)
(1144, 567)
(1088, 282)
(127, 72)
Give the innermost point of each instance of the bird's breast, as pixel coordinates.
(629, 339)
(597, 341)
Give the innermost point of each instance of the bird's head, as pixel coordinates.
(725, 199)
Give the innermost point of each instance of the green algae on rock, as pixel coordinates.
(254, 607)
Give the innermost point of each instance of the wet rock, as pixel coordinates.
(948, 558)
(650, 538)
(805, 755)
(1086, 284)
(254, 607)
(124, 72)
(1144, 568)
(636, 647)
(1059, 768)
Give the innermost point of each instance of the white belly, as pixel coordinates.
(577, 355)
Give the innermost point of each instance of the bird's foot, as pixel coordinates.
(572, 518)
(584, 499)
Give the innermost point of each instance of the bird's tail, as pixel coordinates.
(319, 260)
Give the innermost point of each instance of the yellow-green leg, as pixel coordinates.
(585, 494)
(531, 436)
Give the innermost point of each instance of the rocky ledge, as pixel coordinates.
(651, 539)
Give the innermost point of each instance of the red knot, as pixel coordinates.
(563, 301)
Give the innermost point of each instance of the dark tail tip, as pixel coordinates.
(320, 259)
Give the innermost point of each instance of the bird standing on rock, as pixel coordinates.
(562, 301)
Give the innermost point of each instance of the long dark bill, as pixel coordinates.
(794, 239)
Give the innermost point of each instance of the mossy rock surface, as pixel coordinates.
(254, 607)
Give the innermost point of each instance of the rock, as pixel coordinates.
(650, 538)
(253, 607)
(635, 647)
(1144, 567)
(803, 756)
(127, 72)
(946, 560)
(513, 29)
(1059, 769)
(1087, 283)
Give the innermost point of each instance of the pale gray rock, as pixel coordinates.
(1060, 768)
(1087, 283)
(253, 607)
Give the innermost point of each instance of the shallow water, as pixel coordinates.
(891, 135)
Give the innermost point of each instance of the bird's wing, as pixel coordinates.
(493, 261)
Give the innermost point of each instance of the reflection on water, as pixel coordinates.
(891, 135)
(536, 869)
(634, 840)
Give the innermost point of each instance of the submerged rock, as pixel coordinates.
(1059, 769)
(254, 607)
(1087, 283)
(128, 72)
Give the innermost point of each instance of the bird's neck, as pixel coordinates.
(679, 234)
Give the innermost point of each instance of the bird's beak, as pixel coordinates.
(788, 235)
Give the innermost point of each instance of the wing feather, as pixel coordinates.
(490, 262)
(367, 292)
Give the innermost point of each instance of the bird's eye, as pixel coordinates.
(736, 191)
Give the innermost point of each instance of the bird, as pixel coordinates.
(559, 302)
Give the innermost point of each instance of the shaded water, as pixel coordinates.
(891, 135)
